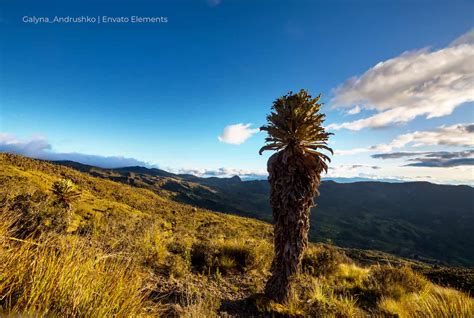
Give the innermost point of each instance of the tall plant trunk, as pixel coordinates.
(293, 185)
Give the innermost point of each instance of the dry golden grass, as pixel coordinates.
(432, 302)
(67, 277)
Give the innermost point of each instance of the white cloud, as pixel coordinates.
(38, 147)
(466, 38)
(237, 134)
(459, 135)
(225, 172)
(354, 110)
(446, 175)
(418, 83)
(352, 171)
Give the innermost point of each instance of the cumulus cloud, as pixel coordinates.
(237, 134)
(461, 135)
(225, 172)
(418, 83)
(38, 147)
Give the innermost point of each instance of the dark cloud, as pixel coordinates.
(430, 154)
(441, 163)
(443, 159)
(394, 155)
(364, 166)
(39, 148)
(469, 128)
(450, 155)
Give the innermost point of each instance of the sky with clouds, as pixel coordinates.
(397, 80)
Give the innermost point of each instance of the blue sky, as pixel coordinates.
(162, 93)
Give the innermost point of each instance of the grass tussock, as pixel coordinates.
(433, 302)
(313, 297)
(66, 277)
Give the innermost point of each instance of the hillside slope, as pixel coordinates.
(125, 251)
(418, 220)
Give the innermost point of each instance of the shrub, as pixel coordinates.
(322, 260)
(393, 282)
(27, 217)
(33, 215)
(239, 254)
(202, 255)
(227, 256)
(386, 281)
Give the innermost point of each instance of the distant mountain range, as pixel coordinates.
(419, 220)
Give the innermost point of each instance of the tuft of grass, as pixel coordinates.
(196, 304)
(432, 302)
(151, 245)
(66, 277)
(349, 276)
(312, 297)
(177, 266)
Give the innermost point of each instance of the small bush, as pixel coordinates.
(242, 255)
(203, 255)
(225, 256)
(388, 281)
(322, 260)
(33, 215)
(385, 281)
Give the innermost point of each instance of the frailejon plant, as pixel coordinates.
(295, 131)
(65, 193)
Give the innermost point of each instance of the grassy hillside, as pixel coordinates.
(418, 220)
(127, 251)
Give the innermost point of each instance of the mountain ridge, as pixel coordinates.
(419, 220)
